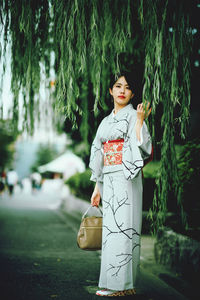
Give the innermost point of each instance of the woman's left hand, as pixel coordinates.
(143, 111)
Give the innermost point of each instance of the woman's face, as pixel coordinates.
(121, 92)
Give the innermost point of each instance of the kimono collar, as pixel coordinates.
(122, 111)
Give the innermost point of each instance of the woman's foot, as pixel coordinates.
(112, 293)
(105, 292)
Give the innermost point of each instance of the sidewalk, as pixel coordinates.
(156, 281)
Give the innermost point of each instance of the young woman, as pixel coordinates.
(121, 145)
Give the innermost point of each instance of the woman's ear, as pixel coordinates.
(132, 95)
(110, 91)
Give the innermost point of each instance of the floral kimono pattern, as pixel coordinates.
(113, 153)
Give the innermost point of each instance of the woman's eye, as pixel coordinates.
(119, 86)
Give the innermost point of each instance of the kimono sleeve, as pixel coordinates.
(96, 158)
(132, 159)
(145, 144)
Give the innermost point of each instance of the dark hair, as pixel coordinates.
(133, 79)
(127, 77)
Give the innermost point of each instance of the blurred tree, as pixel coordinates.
(44, 155)
(7, 139)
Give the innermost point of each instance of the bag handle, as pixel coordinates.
(89, 209)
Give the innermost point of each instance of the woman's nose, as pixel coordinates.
(122, 90)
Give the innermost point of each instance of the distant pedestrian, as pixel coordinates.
(2, 185)
(12, 179)
(36, 181)
(2, 182)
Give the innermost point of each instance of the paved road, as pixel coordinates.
(39, 258)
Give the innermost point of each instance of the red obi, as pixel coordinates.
(113, 152)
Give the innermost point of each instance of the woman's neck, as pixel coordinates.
(118, 108)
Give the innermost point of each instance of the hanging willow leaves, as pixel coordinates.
(166, 64)
(27, 24)
(92, 32)
(90, 40)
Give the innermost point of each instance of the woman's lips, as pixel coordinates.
(121, 97)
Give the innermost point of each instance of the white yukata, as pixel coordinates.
(121, 193)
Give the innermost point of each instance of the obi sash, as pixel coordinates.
(113, 152)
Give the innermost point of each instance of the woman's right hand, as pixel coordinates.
(95, 199)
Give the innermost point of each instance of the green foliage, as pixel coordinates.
(44, 155)
(189, 174)
(185, 202)
(80, 185)
(189, 163)
(151, 169)
(167, 83)
(87, 38)
(7, 138)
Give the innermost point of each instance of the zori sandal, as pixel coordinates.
(111, 293)
(123, 293)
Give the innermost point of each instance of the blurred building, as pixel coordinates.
(66, 165)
